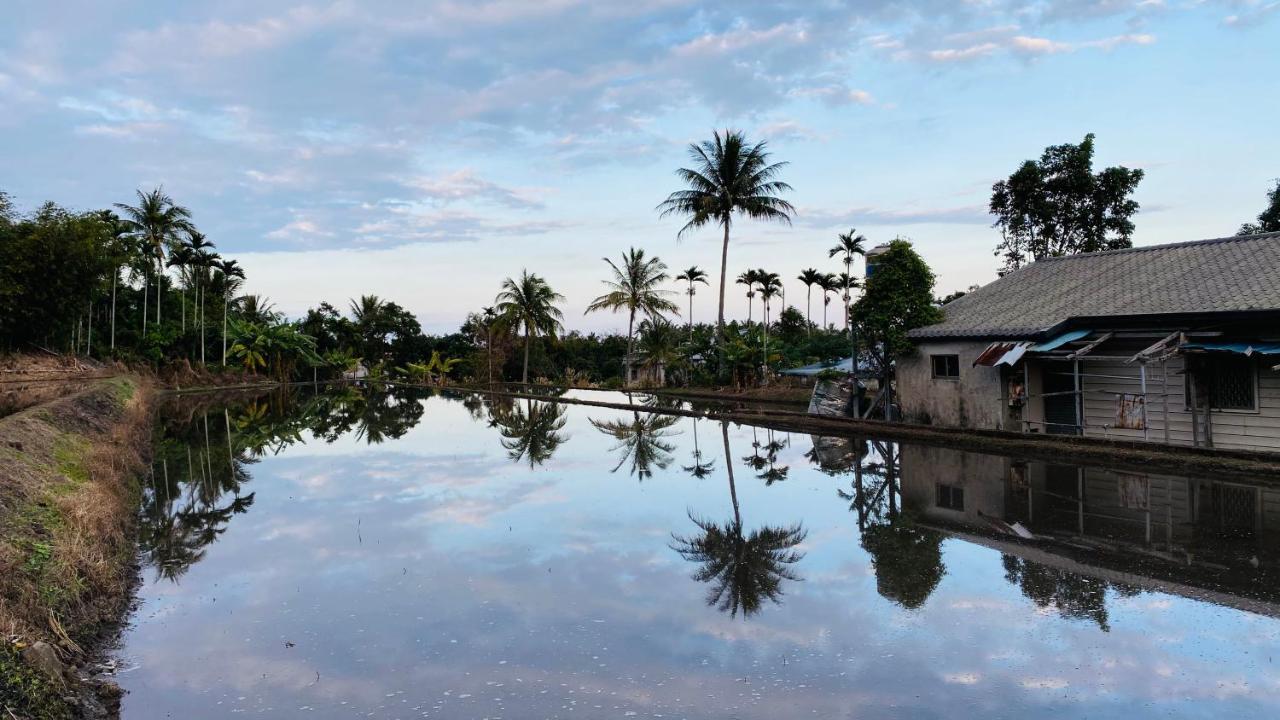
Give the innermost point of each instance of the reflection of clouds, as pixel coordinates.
(574, 600)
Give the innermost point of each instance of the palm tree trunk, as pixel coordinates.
(88, 349)
(626, 364)
(765, 375)
(728, 463)
(145, 293)
(808, 309)
(114, 277)
(524, 378)
(200, 304)
(159, 285)
(724, 270)
(224, 324)
(690, 311)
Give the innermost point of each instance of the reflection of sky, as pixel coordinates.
(432, 577)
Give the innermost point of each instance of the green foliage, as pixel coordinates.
(53, 265)
(1059, 206)
(898, 298)
(1269, 218)
(25, 692)
(529, 302)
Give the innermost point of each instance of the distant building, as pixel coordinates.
(1169, 343)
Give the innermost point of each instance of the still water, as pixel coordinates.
(416, 555)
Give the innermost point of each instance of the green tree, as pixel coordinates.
(829, 284)
(1269, 218)
(693, 275)
(898, 298)
(159, 222)
(848, 244)
(635, 287)
(530, 302)
(1059, 206)
(749, 279)
(729, 175)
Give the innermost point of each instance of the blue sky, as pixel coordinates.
(424, 151)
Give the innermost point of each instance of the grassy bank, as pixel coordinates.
(68, 500)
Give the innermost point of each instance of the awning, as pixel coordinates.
(1001, 353)
(1239, 348)
(1061, 340)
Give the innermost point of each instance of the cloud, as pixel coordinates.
(301, 229)
(787, 130)
(1256, 14)
(465, 184)
(858, 216)
(835, 94)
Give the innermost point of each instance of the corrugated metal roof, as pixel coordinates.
(1221, 275)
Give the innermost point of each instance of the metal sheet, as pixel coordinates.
(992, 355)
(1061, 340)
(1241, 348)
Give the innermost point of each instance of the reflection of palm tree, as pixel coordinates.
(745, 570)
(698, 469)
(532, 433)
(642, 440)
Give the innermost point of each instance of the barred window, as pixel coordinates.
(1230, 382)
(946, 366)
(950, 497)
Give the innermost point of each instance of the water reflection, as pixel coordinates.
(400, 544)
(641, 439)
(530, 432)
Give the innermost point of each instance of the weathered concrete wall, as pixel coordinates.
(973, 400)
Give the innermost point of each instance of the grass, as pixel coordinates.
(68, 500)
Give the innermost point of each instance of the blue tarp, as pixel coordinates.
(810, 370)
(1059, 341)
(1236, 347)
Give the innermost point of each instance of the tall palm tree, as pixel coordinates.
(693, 275)
(158, 221)
(829, 285)
(749, 278)
(529, 301)
(232, 275)
(203, 260)
(849, 244)
(770, 286)
(729, 175)
(810, 277)
(635, 288)
(182, 257)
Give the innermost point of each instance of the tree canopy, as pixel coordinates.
(1269, 218)
(1059, 206)
(898, 298)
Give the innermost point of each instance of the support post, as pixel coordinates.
(1164, 397)
(1146, 422)
(1075, 370)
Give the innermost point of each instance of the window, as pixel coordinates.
(950, 497)
(946, 366)
(1228, 382)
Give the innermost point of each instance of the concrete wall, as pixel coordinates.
(974, 400)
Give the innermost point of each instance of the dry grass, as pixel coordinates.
(68, 501)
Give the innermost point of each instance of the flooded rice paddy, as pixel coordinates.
(405, 555)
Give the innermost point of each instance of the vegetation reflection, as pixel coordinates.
(743, 569)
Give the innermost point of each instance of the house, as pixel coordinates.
(1169, 343)
(639, 372)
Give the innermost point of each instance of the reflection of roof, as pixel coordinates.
(838, 366)
(1145, 573)
(1234, 274)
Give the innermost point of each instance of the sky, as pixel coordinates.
(424, 151)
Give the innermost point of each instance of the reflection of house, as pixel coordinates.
(1158, 532)
(1171, 343)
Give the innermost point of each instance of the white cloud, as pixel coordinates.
(465, 184)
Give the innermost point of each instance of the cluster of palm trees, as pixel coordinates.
(167, 237)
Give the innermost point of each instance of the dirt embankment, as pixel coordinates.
(68, 499)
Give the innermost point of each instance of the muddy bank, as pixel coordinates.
(68, 500)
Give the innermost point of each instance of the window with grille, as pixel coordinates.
(1230, 382)
(950, 497)
(946, 366)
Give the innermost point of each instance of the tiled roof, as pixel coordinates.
(1239, 273)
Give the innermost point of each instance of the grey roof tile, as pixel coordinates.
(1221, 275)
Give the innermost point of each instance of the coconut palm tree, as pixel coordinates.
(810, 277)
(659, 347)
(849, 244)
(257, 309)
(158, 221)
(530, 301)
(635, 288)
(729, 175)
(532, 434)
(770, 286)
(693, 275)
(698, 469)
